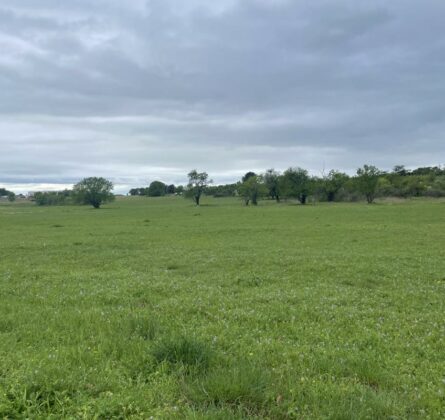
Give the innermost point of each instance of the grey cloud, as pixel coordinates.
(129, 88)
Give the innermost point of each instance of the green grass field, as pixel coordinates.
(153, 307)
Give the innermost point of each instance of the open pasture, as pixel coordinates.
(155, 307)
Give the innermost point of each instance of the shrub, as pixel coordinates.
(52, 198)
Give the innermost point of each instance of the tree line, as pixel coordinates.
(93, 191)
(368, 183)
(157, 189)
(296, 183)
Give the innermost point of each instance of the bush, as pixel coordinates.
(52, 198)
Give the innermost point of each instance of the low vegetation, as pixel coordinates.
(154, 308)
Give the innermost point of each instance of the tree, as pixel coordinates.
(11, 197)
(297, 183)
(171, 189)
(367, 181)
(227, 190)
(247, 176)
(272, 182)
(400, 170)
(333, 182)
(138, 191)
(94, 191)
(252, 189)
(157, 189)
(4, 192)
(198, 182)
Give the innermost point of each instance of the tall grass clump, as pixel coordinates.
(186, 351)
(143, 327)
(239, 387)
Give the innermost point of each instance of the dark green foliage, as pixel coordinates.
(297, 184)
(171, 189)
(434, 171)
(138, 191)
(369, 182)
(436, 188)
(247, 176)
(4, 192)
(400, 170)
(53, 198)
(419, 182)
(157, 189)
(94, 191)
(333, 183)
(252, 189)
(8, 194)
(228, 190)
(273, 183)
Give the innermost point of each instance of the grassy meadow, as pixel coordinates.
(156, 308)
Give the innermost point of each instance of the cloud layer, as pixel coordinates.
(142, 90)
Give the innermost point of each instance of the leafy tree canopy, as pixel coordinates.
(333, 182)
(297, 183)
(252, 189)
(247, 176)
(367, 181)
(198, 182)
(94, 191)
(272, 180)
(157, 189)
(4, 192)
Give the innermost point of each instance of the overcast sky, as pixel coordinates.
(138, 90)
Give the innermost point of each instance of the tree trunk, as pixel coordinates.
(277, 198)
(197, 197)
(246, 201)
(303, 198)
